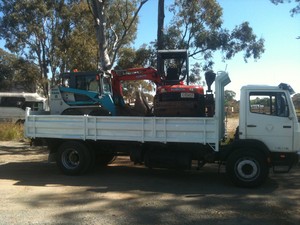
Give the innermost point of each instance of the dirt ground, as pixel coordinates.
(231, 124)
(34, 191)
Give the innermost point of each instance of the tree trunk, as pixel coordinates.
(160, 32)
(160, 24)
(98, 9)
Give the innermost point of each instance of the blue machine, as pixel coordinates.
(83, 93)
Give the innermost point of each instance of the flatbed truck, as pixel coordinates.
(268, 136)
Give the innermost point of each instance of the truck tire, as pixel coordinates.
(247, 168)
(73, 158)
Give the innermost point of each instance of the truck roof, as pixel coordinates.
(281, 86)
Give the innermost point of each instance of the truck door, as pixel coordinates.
(268, 120)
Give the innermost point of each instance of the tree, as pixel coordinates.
(6, 70)
(195, 77)
(229, 95)
(18, 73)
(60, 35)
(231, 104)
(160, 30)
(197, 26)
(114, 30)
(295, 10)
(131, 58)
(79, 50)
(38, 31)
(160, 24)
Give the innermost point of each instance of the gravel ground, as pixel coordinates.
(33, 191)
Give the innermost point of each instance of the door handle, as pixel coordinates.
(287, 126)
(251, 125)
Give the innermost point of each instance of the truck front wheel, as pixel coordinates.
(73, 158)
(247, 168)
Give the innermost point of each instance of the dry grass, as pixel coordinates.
(10, 131)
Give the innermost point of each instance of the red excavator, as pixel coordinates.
(174, 96)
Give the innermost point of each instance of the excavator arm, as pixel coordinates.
(132, 74)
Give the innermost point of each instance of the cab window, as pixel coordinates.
(269, 103)
(87, 82)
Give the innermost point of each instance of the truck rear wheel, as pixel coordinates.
(73, 158)
(247, 168)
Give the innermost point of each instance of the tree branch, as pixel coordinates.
(119, 45)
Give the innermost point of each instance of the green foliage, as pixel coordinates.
(115, 25)
(79, 49)
(131, 58)
(38, 30)
(261, 101)
(61, 35)
(229, 97)
(294, 11)
(231, 105)
(6, 69)
(16, 72)
(120, 30)
(197, 26)
(195, 77)
(130, 88)
(55, 34)
(9, 132)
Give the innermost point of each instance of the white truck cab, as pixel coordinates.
(268, 114)
(268, 135)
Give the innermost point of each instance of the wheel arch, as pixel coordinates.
(254, 145)
(247, 167)
(54, 144)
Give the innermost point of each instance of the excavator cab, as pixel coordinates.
(97, 82)
(173, 65)
(175, 97)
(83, 93)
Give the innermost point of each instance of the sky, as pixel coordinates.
(280, 63)
(281, 60)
